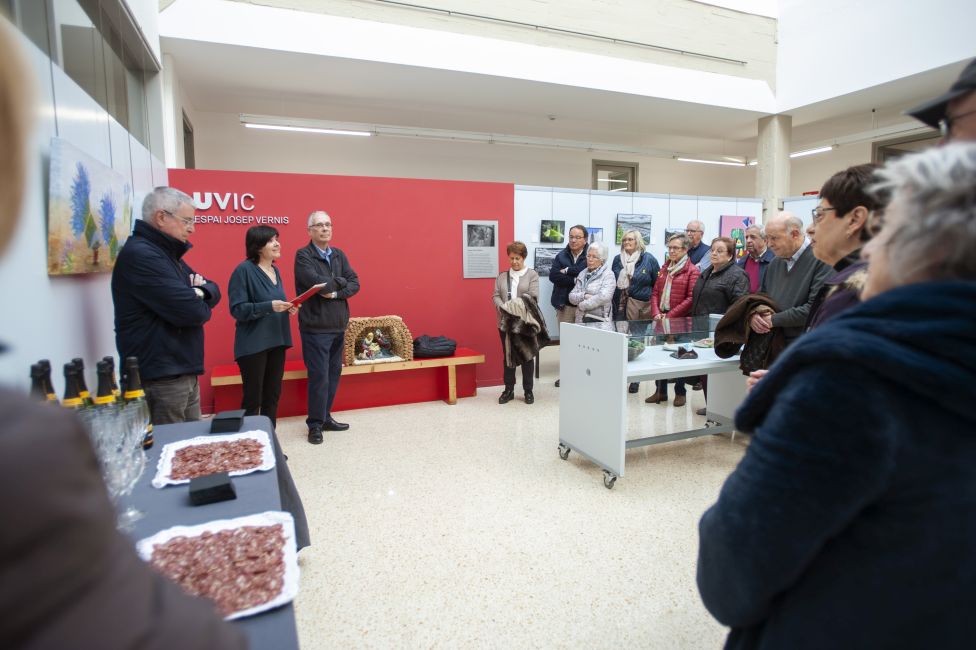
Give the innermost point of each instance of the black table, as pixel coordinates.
(256, 492)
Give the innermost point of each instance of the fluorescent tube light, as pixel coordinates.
(711, 162)
(810, 152)
(305, 129)
(753, 163)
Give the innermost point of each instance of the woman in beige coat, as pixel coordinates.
(515, 283)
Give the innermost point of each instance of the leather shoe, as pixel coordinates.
(679, 400)
(315, 436)
(506, 396)
(656, 398)
(634, 387)
(529, 397)
(557, 383)
(700, 411)
(332, 425)
(696, 386)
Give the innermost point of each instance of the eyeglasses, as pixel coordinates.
(818, 213)
(676, 248)
(186, 221)
(693, 230)
(945, 124)
(320, 226)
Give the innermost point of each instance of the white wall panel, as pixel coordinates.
(801, 207)
(80, 119)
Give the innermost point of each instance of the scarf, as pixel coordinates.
(626, 273)
(673, 270)
(513, 281)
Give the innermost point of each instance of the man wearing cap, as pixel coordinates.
(953, 112)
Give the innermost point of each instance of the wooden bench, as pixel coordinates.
(365, 385)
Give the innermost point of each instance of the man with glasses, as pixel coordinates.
(954, 111)
(322, 320)
(698, 253)
(757, 257)
(161, 305)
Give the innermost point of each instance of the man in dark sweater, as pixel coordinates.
(161, 305)
(322, 320)
(792, 279)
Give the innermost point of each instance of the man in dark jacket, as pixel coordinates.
(569, 263)
(792, 279)
(757, 257)
(322, 320)
(161, 305)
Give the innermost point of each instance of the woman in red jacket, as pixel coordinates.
(672, 298)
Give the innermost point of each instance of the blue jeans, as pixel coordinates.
(322, 353)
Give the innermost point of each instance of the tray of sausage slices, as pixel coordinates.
(245, 565)
(235, 453)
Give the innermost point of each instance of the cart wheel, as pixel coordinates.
(563, 451)
(609, 479)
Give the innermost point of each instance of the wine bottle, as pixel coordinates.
(104, 395)
(82, 386)
(110, 360)
(135, 397)
(72, 392)
(52, 396)
(37, 390)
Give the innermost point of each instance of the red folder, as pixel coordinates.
(314, 289)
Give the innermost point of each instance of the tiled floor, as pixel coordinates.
(459, 526)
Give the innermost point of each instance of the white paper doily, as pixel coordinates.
(289, 588)
(165, 466)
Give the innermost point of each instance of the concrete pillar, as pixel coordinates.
(172, 124)
(773, 170)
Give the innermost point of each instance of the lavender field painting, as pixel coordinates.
(89, 212)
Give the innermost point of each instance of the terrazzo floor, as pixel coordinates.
(437, 526)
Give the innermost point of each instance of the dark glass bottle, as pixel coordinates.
(135, 397)
(82, 386)
(45, 365)
(37, 390)
(115, 385)
(104, 395)
(72, 391)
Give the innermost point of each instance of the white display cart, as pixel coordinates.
(594, 373)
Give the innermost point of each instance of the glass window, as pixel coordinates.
(614, 176)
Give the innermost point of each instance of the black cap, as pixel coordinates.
(935, 109)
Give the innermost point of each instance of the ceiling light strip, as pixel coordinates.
(305, 129)
(811, 152)
(711, 162)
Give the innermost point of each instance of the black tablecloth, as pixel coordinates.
(256, 492)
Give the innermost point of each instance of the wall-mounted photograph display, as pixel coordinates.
(89, 212)
(735, 228)
(594, 235)
(639, 222)
(479, 241)
(671, 232)
(543, 260)
(552, 232)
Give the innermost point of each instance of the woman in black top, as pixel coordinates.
(259, 305)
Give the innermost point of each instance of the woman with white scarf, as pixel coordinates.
(593, 293)
(672, 298)
(516, 282)
(636, 272)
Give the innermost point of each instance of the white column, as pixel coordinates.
(773, 170)
(172, 115)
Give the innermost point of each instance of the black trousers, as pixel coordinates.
(528, 370)
(261, 375)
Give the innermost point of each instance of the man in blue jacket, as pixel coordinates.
(161, 305)
(569, 262)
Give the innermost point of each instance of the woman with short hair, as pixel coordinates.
(593, 293)
(672, 298)
(258, 304)
(518, 282)
(855, 502)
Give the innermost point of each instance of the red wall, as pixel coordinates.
(402, 236)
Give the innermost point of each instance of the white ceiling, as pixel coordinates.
(236, 79)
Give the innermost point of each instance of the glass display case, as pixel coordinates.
(670, 334)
